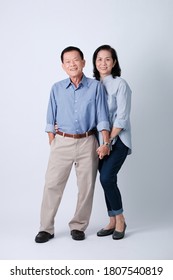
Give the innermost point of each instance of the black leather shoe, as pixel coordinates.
(43, 236)
(119, 234)
(105, 232)
(77, 234)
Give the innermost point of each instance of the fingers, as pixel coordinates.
(103, 151)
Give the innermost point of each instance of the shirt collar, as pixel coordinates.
(107, 78)
(83, 82)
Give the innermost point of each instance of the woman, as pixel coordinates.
(107, 70)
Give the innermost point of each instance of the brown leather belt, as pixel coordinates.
(76, 136)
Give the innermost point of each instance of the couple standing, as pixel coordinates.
(81, 107)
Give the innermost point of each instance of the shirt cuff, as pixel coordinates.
(50, 128)
(121, 124)
(103, 126)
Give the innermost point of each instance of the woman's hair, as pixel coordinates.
(69, 49)
(116, 70)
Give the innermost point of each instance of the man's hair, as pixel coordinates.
(116, 70)
(69, 49)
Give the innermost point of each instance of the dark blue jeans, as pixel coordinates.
(109, 167)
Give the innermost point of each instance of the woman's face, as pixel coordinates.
(104, 63)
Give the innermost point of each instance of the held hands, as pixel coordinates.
(103, 150)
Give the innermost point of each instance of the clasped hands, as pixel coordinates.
(103, 150)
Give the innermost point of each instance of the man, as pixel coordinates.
(78, 106)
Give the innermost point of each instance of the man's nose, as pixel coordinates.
(72, 62)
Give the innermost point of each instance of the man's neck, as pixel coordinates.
(76, 80)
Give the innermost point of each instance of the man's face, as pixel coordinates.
(73, 64)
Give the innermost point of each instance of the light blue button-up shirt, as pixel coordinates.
(119, 103)
(77, 110)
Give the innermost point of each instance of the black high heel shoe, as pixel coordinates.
(119, 234)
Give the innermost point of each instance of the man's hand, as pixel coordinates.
(103, 150)
(51, 137)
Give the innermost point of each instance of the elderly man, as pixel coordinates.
(78, 106)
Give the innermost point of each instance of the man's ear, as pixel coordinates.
(84, 62)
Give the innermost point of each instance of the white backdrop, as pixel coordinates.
(32, 35)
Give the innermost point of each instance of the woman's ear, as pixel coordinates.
(114, 63)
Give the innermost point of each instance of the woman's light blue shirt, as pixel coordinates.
(119, 103)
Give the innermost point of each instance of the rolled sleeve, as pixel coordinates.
(104, 125)
(124, 124)
(50, 128)
(51, 113)
(123, 106)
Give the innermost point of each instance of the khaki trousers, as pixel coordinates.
(64, 153)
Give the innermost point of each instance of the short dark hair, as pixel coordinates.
(69, 49)
(116, 70)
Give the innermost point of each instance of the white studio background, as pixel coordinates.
(32, 35)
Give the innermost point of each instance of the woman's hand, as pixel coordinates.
(103, 150)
